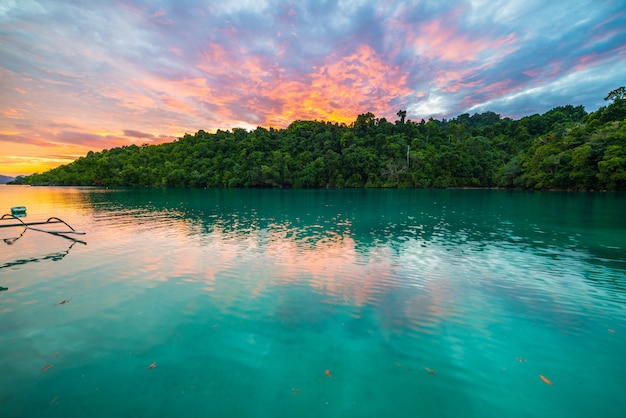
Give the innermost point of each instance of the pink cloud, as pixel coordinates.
(442, 40)
(532, 73)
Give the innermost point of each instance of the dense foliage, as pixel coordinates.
(565, 148)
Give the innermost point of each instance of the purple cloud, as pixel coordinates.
(137, 134)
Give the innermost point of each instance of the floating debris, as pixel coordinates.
(545, 380)
(63, 302)
(296, 391)
(327, 373)
(152, 366)
(612, 331)
(46, 368)
(430, 371)
(56, 398)
(520, 359)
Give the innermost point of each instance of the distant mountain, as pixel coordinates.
(6, 179)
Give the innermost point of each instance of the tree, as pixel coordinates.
(616, 95)
(401, 114)
(364, 123)
(612, 168)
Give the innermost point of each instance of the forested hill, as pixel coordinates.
(565, 148)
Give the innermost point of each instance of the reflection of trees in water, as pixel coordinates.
(537, 218)
(368, 215)
(546, 223)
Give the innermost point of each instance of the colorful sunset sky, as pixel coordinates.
(80, 75)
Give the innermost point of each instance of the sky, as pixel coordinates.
(81, 75)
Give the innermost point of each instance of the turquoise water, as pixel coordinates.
(431, 303)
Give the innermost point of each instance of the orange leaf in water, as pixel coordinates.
(152, 366)
(545, 380)
(327, 373)
(46, 367)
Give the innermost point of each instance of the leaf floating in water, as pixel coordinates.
(520, 359)
(56, 398)
(327, 373)
(63, 302)
(152, 366)
(296, 391)
(545, 380)
(612, 331)
(430, 371)
(402, 366)
(46, 367)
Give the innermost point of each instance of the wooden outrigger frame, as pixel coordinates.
(51, 220)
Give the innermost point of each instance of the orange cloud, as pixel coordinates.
(342, 88)
(337, 90)
(131, 101)
(13, 114)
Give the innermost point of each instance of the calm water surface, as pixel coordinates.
(269, 303)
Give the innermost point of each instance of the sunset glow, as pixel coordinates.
(80, 78)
